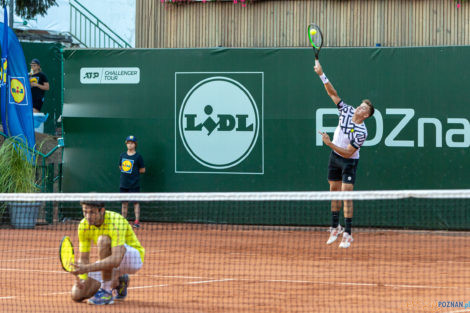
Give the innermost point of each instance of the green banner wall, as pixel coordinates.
(247, 119)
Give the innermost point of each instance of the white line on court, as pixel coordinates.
(424, 287)
(55, 293)
(134, 288)
(30, 259)
(147, 287)
(28, 250)
(358, 284)
(34, 271)
(208, 281)
(166, 276)
(453, 261)
(459, 311)
(316, 282)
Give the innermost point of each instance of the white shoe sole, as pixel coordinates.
(91, 303)
(333, 238)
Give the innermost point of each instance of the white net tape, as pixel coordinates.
(241, 196)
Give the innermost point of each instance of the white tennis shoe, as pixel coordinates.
(347, 240)
(334, 233)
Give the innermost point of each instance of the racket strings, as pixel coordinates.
(67, 256)
(317, 38)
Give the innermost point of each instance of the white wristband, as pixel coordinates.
(324, 79)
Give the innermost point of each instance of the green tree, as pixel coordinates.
(29, 9)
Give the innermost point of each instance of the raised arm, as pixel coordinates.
(328, 86)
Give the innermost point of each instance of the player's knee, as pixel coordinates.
(104, 242)
(335, 187)
(77, 294)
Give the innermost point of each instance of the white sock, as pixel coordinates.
(106, 285)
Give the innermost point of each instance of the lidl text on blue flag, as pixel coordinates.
(16, 101)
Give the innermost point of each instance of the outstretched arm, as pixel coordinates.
(328, 86)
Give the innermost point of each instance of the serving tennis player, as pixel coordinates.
(119, 251)
(349, 136)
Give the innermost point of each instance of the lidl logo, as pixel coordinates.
(18, 91)
(219, 122)
(126, 166)
(3, 72)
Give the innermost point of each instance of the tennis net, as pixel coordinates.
(244, 252)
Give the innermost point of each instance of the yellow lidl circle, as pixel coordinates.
(17, 90)
(126, 166)
(33, 79)
(3, 78)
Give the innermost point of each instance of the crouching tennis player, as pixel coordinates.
(119, 251)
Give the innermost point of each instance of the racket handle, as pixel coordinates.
(316, 61)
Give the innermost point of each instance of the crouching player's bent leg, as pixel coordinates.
(105, 286)
(84, 289)
(131, 263)
(118, 282)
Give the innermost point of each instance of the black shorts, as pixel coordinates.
(124, 190)
(340, 168)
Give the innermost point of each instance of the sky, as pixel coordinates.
(119, 15)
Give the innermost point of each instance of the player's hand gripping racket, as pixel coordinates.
(67, 256)
(315, 37)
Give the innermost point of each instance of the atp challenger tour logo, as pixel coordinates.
(219, 125)
(110, 75)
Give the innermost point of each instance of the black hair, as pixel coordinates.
(93, 204)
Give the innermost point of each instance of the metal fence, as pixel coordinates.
(90, 31)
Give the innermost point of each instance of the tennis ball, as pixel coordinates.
(313, 32)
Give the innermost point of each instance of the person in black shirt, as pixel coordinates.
(131, 165)
(39, 85)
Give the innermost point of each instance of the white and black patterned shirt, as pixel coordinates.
(348, 132)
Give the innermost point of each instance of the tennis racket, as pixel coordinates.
(66, 254)
(315, 37)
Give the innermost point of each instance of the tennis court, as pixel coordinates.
(230, 268)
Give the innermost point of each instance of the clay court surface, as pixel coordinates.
(213, 268)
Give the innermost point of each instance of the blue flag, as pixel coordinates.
(3, 78)
(16, 100)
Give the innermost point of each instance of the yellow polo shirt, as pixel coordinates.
(115, 226)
